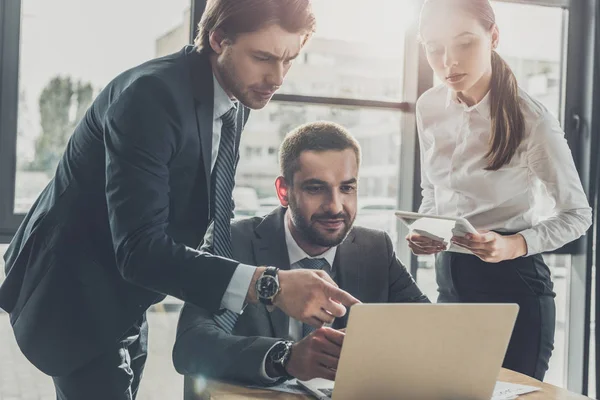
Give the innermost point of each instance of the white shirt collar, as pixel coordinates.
(483, 107)
(296, 253)
(222, 102)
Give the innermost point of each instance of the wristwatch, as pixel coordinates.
(279, 356)
(267, 286)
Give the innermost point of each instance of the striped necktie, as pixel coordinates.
(222, 182)
(311, 263)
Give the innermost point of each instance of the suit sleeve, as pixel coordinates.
(403, 288)
(202, 348)
(142, 133)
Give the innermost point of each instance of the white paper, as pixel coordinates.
(506, 391)
(290, 386)
(502, 391)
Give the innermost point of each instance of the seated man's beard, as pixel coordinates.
(312, 235)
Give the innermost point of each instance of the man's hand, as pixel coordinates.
(317, 355)
(311, 297)
(492, 247)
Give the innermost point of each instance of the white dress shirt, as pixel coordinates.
(454, 139)
(296, 254)
(236, 291)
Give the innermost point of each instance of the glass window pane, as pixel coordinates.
(535, 55)
(378, 133)
(560, 267)
(70, 49)
(357, 55)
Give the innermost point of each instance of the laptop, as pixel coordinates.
(420, 351)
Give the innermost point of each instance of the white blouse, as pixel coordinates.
(454, 139)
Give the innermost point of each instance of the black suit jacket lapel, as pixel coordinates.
(348, 272)
(270, 249)
(202, 80)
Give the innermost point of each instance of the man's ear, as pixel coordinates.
(282, 188)
(217, 40)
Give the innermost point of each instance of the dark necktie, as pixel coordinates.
(222, 182)
(317, 264)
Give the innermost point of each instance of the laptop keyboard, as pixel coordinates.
(327, 392)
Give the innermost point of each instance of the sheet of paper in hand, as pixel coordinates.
(437, 228)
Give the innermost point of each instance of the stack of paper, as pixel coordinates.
(506, 391)
(502, 391)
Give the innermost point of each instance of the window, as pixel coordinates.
(341, 62)
(365, 124)
(69, 50)
(534, 55)
(359, 55)
(61, 71)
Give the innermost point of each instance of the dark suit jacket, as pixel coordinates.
(365, 266)
(118, 226)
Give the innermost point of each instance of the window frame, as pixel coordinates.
(10, 25)
(582, 127)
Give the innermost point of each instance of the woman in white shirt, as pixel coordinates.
(487, 148)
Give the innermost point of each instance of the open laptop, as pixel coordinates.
(420, 351)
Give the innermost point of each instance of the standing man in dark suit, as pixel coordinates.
(147, 169)
(313, 230)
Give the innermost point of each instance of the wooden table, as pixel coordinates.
(224, 391)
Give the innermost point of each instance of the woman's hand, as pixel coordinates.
(492, 247)
(422, 245)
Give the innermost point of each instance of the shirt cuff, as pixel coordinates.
(532, 241)
(263, 368)
(235, 294)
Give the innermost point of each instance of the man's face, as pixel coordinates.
(322, 199)
(252, 67)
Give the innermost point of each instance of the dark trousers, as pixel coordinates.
(115, 375)
(465, 278)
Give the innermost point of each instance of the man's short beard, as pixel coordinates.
(308, 232)
(228, 76)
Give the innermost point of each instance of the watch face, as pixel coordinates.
(267, 286)
(278, 352)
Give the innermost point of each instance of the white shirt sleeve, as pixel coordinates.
(428, 203)
(263, 368)
(549, 159)
(235, 294)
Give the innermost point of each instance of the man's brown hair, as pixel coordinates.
(234, 17)
(314, 136)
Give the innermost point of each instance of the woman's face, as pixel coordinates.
(458, 48)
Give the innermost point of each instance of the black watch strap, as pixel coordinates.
(272, 272)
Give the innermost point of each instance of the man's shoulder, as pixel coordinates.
(370, 239)
(364, 232)
(159, 76)
(246, 225)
